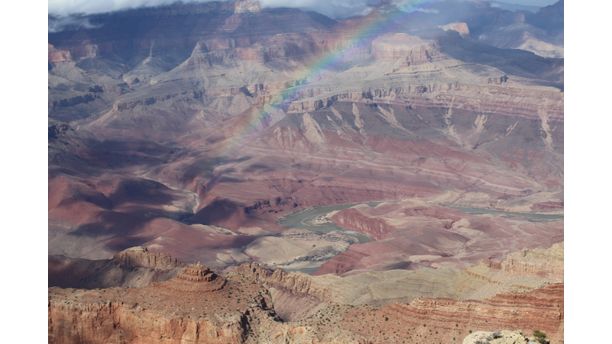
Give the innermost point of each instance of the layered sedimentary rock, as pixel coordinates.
(163, 314)
(354, 220)
(197, 278)
(448, 321)
(294, 295)
(477, 282)
(133, 267)
(195, 306)
(249, 136)
(414, 234)
(296, 283)
(538, 262)
(142, 257)
(410, 50)
(417, 168)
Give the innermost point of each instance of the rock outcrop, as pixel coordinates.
(116, 322)
(58, 55)
(197, 306)
(447, 321)
(251, 303)
(460, 27)
(133, 267)
(196, 278)
(410, 50)
(497, 337)
(293, 294)
(296, 283)
(353, 219)
(542, 262)
(247, 6)
(141, 257)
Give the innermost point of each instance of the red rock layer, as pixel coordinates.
(354, 220)
(58, 55)
(197, 278)
(449, 321)
(142, 257)
(197, 306)
(115, 322)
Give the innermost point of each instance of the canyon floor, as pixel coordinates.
(221, 172)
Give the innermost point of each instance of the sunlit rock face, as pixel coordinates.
(251, 303)
(245, 6)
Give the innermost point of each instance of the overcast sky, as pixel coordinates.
(329, 7)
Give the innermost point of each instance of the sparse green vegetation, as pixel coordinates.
(540, 337)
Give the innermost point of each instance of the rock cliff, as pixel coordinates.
(133, 267)
(196, 306)
(251, 304)
(409, 50)
(141, 257)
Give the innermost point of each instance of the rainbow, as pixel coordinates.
(248, 127)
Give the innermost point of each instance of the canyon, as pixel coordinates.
(227, 172)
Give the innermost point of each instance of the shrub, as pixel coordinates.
(540, 337)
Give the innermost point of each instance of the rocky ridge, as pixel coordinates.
(136, 257)
(133, 267)
(162, 312)
(199, 309)
(249, 303)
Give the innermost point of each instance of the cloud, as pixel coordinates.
(334, 8)
(58, 24)
(65, 7)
